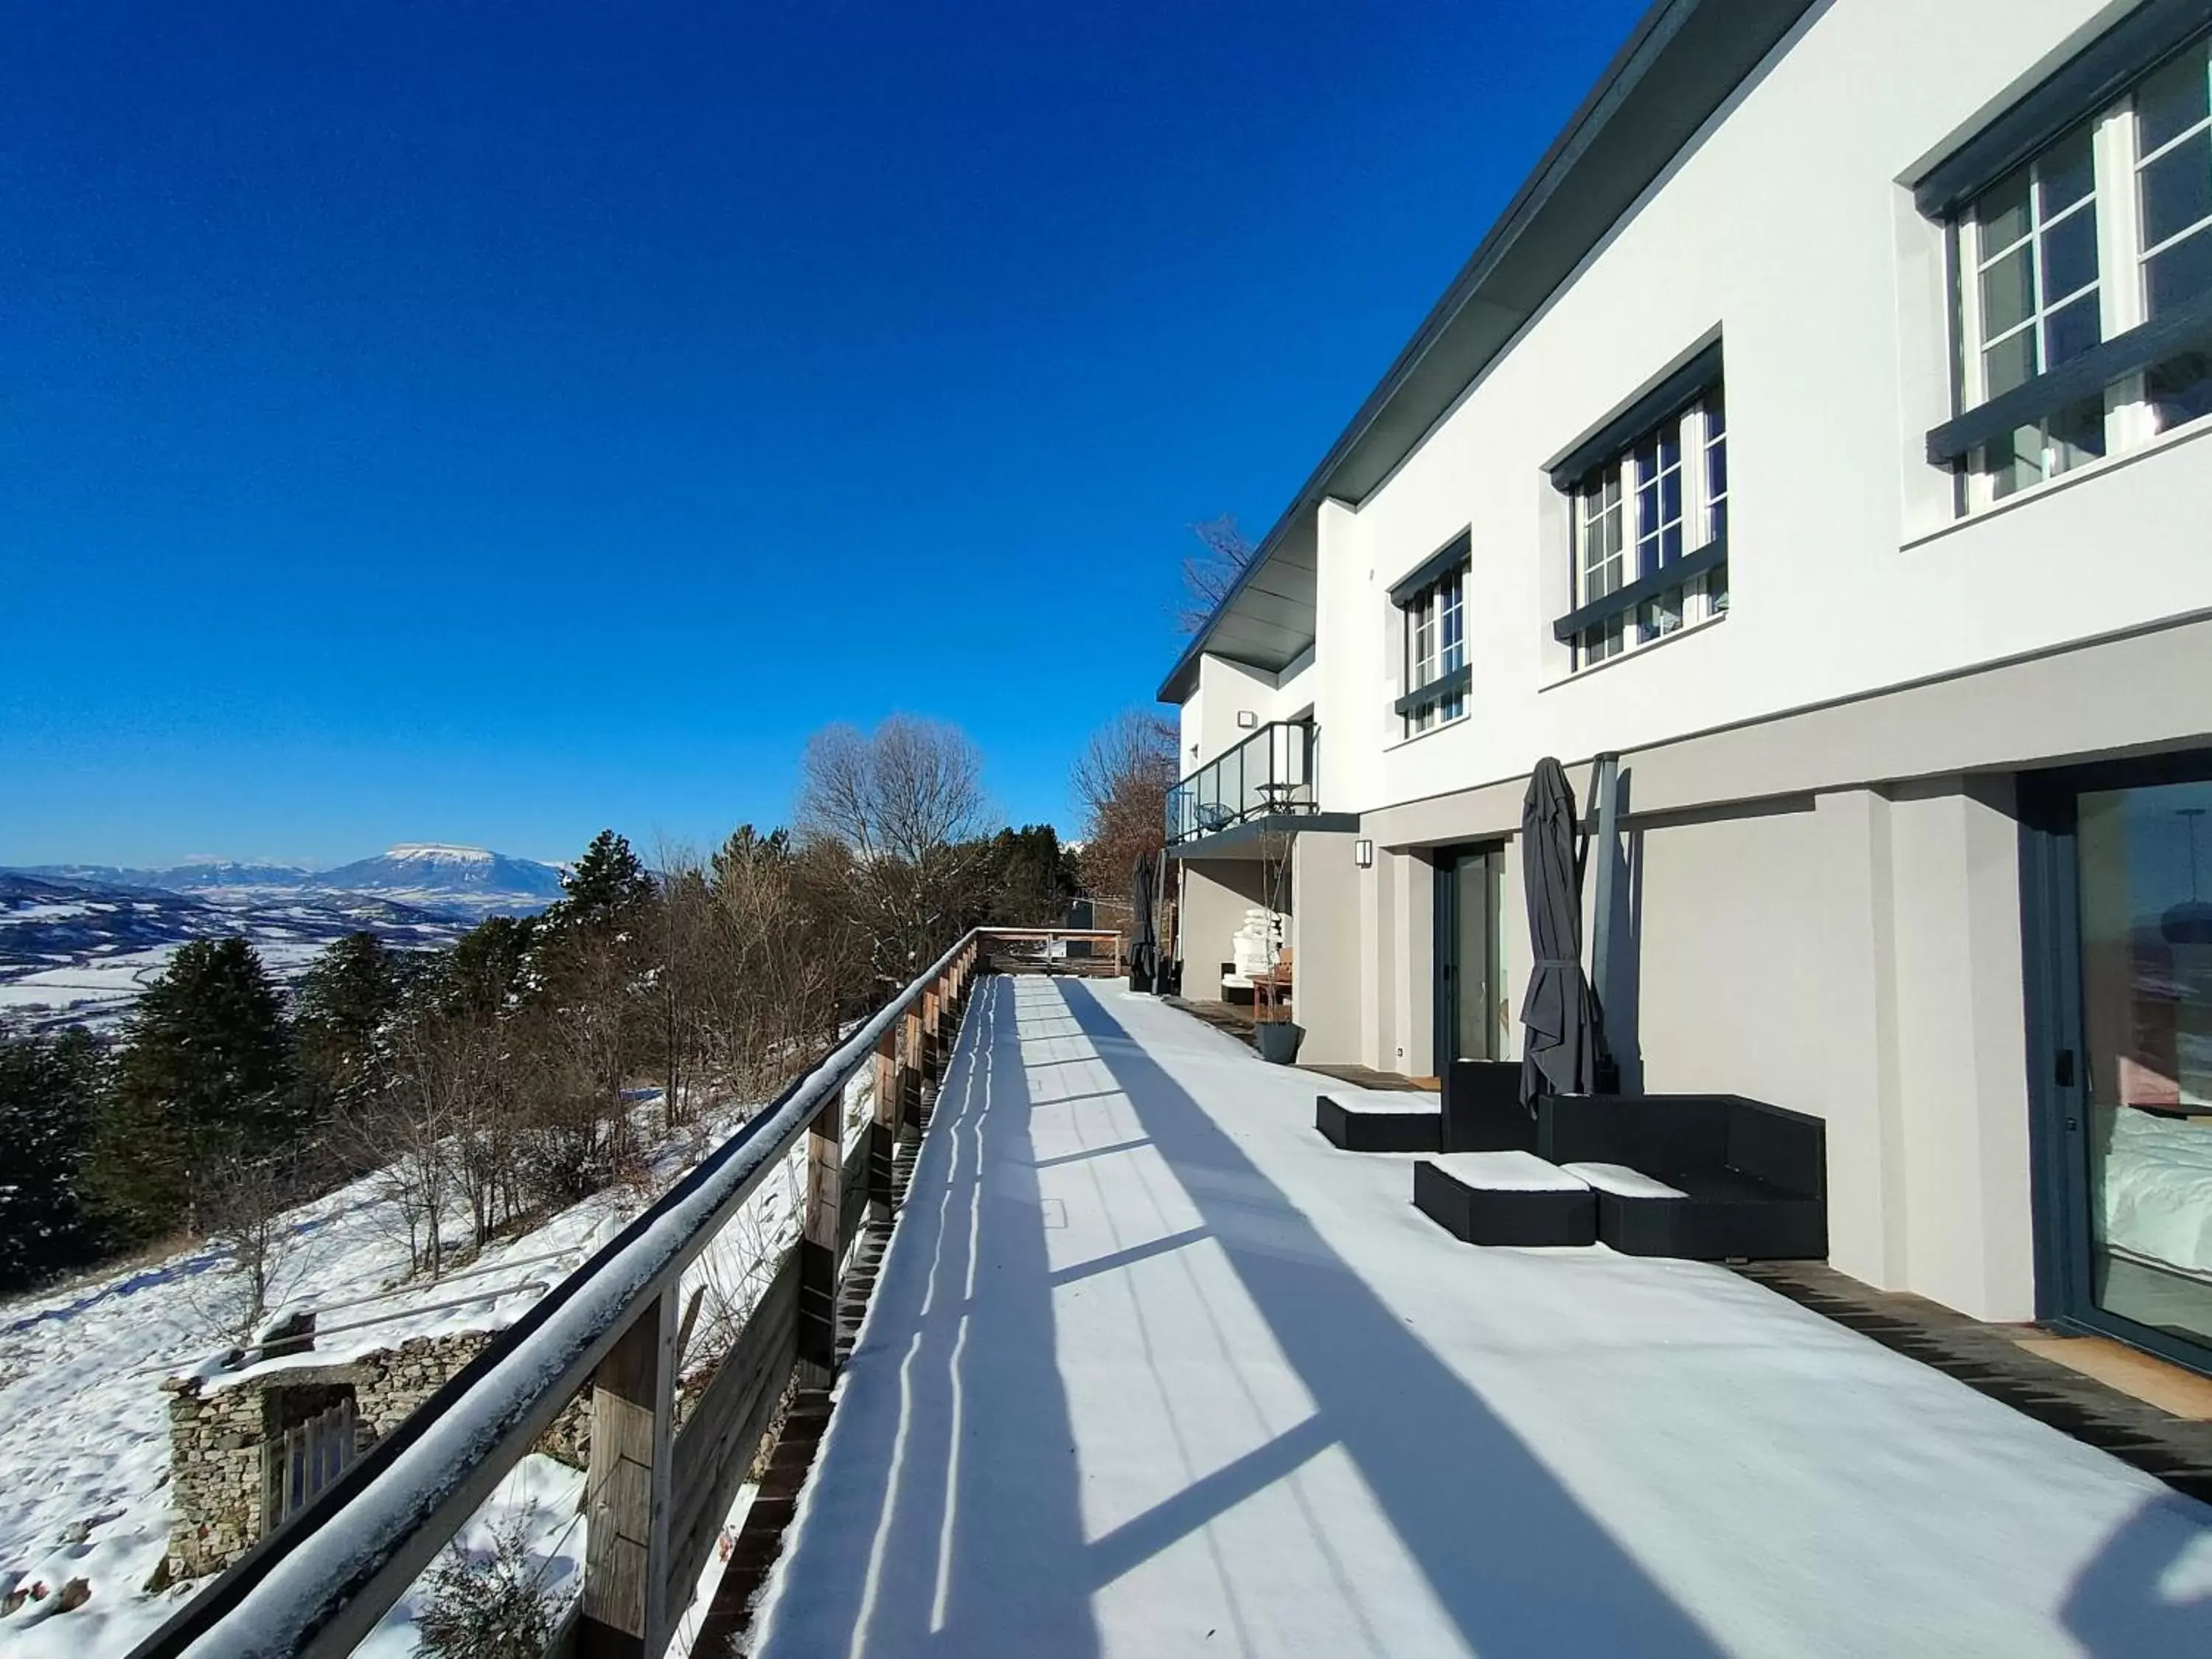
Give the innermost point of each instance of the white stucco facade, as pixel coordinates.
(1819, 842)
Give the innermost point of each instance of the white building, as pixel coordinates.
(1822, 430)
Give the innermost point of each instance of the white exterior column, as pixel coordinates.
(1962, 1062)
(1860, 1095)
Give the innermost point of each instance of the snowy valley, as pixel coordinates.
(78, 943)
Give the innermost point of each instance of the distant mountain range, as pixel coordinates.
(464, 880)
(79, 941)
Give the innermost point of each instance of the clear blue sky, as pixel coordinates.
(485, 423)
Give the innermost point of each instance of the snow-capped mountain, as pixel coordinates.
(459, 881)
(427, 874)
(79, 941)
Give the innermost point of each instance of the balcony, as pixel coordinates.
(1268, 782)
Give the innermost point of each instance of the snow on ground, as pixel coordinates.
(546, 1498)
(1152, 1368)
(71, 952)
(84, 1443)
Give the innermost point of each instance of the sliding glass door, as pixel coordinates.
(2121, 908)
(1469, 1017)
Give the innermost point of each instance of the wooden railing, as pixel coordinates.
(655, 1496)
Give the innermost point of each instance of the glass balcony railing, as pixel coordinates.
(1271, 772)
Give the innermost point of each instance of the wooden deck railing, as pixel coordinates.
(656, 1495)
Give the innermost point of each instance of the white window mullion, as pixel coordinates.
(2128, 416)
(1973, 380)
(1696, 504)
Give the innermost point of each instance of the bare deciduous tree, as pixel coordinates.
(1209, 574)
(690, 974)
(907, 802)
(1121, 783)
(789, 952)
(242, 1203)
(400, 1134)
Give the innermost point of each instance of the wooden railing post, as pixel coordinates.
(817, 1246)
(933, 1063)
(909, 1124)
(625, 1597)
(883, 1131)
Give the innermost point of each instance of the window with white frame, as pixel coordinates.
(1436, 652)
(2084, 290)
(1653, 509)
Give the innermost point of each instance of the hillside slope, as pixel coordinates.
(84, 1444)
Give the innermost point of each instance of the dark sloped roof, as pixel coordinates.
(1678, 66)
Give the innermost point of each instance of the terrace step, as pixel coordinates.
(1505, 1198)
(1381, 1120)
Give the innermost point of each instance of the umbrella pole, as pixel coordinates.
(1605, 788)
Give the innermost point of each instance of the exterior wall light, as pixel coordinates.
(1246, 719)
(1362, 853)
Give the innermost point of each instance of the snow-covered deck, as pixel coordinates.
(1151, 1369)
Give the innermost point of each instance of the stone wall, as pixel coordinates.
(215, 1475)
(217, 1429)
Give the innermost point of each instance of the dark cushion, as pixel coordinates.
(1483, 1215)
(1482, 1109)
(1754, 1176)
(1344, 1125)
(1663, 1135)
(1787, 1148)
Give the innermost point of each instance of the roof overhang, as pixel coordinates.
(1683, 61)
(1261, 837)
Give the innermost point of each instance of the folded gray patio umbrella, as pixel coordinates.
(1559, 1053)
(1144, 931)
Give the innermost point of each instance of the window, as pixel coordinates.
(2084, 292)
(2030, 241)
(2173, 185)
(1650, 526)
(1436, 652)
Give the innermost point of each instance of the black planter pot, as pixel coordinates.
(1277, 1040)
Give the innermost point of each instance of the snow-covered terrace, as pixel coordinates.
(1152, 1368)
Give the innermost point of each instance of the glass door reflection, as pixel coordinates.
(2146, 917)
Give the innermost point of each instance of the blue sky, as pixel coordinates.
(485, 423)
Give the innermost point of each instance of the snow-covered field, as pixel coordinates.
(78, 943)
(69, 952)
(84, 1444)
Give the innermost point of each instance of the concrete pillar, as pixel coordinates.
(1924, 1086)
(1325, 935)
(1961, 1047)
(1410, 967)
(1376, 938)
(1858, 1090)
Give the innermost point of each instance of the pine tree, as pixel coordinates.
(748, 853)
(344, 1002)
(1033, 877)
(609, 884)
(46, 1094)
(489, 967)
(204, 1076)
